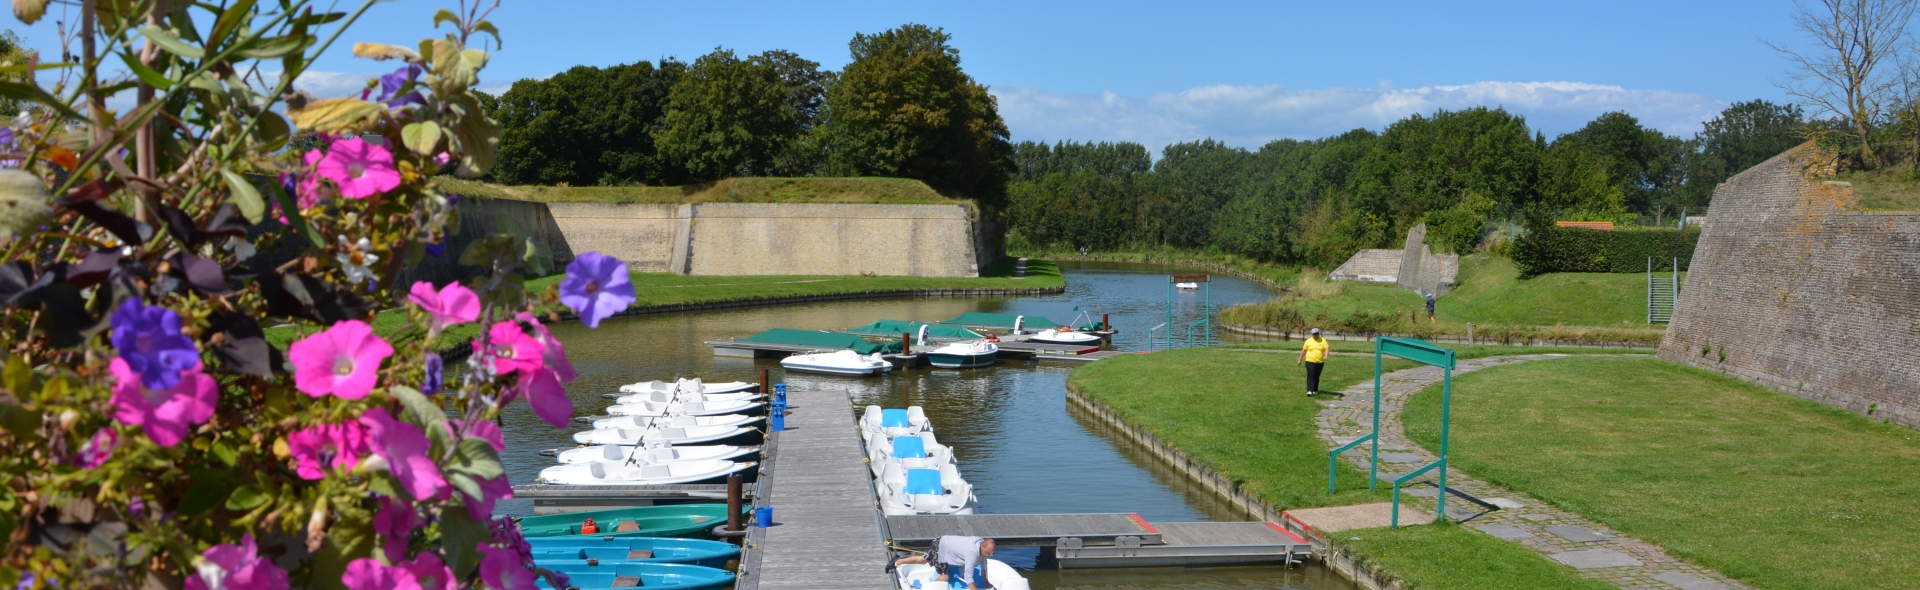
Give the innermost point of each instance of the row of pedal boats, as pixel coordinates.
(913, 474)
(960, 354)
(660, 433)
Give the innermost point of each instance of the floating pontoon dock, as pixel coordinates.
(555, 499)
(1114, 540)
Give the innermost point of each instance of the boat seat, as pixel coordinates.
(909, 447)
(655, 472)
(916, 415)
(871, 416)
(695, 407)
(627, 527)
(894, 418)
(640, 554)
(598, 469)
(625, 582)
(661, 455)
(673, 433)
(685, 421)
(613, 453)
(923, 481)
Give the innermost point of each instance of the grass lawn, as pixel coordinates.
(1491, 292)
(1774, 490)
(1446, 557)
(887, 191)
(1279, 274)
(1894, 188)
(1461, 351)
(1241, 413)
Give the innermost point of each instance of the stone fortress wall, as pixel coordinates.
(1414, 267)
(1792, 290)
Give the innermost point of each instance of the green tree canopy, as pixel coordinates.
(1745, 134)
(729, 117)
(588, 126)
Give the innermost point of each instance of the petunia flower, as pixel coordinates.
(554, 353)
(504, 569)
(491, 490)
(451, 305)
(549, 399)
(310, 191)
(343, 360)
(338, 445)
(481, 429)
(404, 450)
(236, 567)
(435, 371)
(355, 259)
(97, 449)
(165, 415)
(395, 521)
(596, 287)
(510, 349)
(431, 572)
(391, 83)
(359, 168)
(148, 339)
(367, 573)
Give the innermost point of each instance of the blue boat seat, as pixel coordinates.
(909, 447)
(923, 481)
(894, 418)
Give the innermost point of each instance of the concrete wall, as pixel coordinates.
(1801, 295)
(642, 235)
(1423, 271)
(480, 218)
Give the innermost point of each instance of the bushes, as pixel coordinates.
(1565, 249)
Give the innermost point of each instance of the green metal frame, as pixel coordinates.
(1206, 316)
(1418, 351)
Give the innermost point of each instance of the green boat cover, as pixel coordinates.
(825, 340)
(1005, 320)
(898, 327)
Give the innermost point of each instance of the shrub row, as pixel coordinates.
(1569, 249)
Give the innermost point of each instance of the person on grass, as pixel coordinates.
(1313, 354)
(1429, 307)
(957, 557)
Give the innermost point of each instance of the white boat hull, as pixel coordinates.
(1068, 338)
(620, 473)
(923, 577)
(657, 422)
(667, 454)
(842, 362)
(670, 435)
(683, 409)
(692, 385)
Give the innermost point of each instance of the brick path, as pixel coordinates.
(1594, 550)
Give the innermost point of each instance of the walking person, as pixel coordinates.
(1429, 307)
(1313, 354)
(958, 558)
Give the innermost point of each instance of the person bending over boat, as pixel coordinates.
(1313, 354)
(957, 557)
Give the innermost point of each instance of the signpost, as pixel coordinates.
(1418, 351)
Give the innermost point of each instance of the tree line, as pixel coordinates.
(903, 107)
(1316, 202)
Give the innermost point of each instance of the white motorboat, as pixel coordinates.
(964, 354)
(685, 396)
(693, 385)
(670, 434)
(905, 492)
(657, 422)
(919, 576)
(893, 421)
(1065, 336)
(1186, 286)
(639, 472)
(653, 453)
(838, 362)
(909, 452)
(683, 408)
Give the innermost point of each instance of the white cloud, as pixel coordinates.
(1249, 116)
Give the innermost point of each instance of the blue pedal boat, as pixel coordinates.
(591, 550)
(651, 576)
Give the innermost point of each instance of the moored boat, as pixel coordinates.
(654, 453)
(893, 421)
(685, 408)
(651, 576)
(838, 362)
(909, 452)
(676, 520)
(632, 549)
(658, 422)
(905, 492)
(693, 385)
(670, 434)
(1065, 336)
(640, 473)
(685, 397)
(923, 577)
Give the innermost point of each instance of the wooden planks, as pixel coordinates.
(1021, 529)
(1223, 533)
(825, 534)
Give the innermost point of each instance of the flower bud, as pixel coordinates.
(24, 203)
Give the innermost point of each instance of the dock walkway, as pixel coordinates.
(826, 533)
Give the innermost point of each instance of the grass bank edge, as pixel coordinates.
(1448, 556)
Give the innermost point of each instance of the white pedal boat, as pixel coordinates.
(682, 408)
(671, 434)
(893, 421)
(692, 385)
(1054, 336)
(658, 422)
(905, 492)
(909, 452)
(918, 576)
(1186, 286)
(839, 362)
(653, 453)
(685, 396)
(966, 354)
(624, 473)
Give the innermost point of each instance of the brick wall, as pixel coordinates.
(1791, 290)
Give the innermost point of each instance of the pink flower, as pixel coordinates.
(505, 569)
(482, 429)
(343, 361)
(452, 305)
(359, 168)
(497, 488)
(95, 452)
(310, 194)
(548, 398)
(165, 416)
(237, 568)
(368, 574)
(511, 350)
(404, 449)
(339, 445)
(431, 572)
(555, 353)
(395, 521)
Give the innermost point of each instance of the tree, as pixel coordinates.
(1650, 167)
(1843, 76)
(903, 107)
(728, 117)
(1745, 134)
(588, 126)
(807, 94)
(13, 51)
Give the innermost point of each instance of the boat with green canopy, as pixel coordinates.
(1008, 321)
(934, 332)
(817, 340)
(674, 520)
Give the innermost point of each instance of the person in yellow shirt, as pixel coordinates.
(1313, 354)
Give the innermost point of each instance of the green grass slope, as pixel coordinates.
(1446, 556)
(1490, 291)
(885, 191)
(1774, 490)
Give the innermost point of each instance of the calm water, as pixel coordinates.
(1012, 433)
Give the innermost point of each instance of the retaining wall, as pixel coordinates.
(1792, 290)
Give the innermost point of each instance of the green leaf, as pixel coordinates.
(146, 74)
(292, 211)
(208, 488)
(460, 539)
(246, 498)
(17, 376)
(23, 423)
(273, 47)
(337, 116)
(226, 453)
(488, 28)
(420, 410)
(476, 456)
(171, 43)
(349, 537)
(273, 131)
(245, 196)
(421, 137)
(445, 15)
(230, 20)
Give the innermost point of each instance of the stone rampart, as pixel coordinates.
(643, 235)
(1790, 289)
(480, 218)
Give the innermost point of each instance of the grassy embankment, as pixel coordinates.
(1239, 410)
(1888, 189)
(885, 191)
(1718, 471)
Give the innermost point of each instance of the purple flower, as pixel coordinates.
(150, 342)
(596, 287)
(95, 452)
(390, 85)
(436, 249)
(434, 379)
(237, 567)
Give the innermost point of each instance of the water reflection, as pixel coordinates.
(1013, 434)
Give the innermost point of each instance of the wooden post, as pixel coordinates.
(1469, 333)
(733, 502)
(764, 388)
(1104, 324)
(906, 343)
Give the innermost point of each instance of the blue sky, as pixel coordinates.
(1243, 72)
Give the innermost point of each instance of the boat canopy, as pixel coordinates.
(1001, 320)
(898, 327)
(824, 340)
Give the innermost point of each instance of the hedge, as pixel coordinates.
(1570, 249)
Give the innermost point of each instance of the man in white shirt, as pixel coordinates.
(957, 557)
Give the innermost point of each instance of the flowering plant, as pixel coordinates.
(150, 433)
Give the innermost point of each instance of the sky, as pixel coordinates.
(1155, 73)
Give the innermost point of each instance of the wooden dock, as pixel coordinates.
(1114, 540)
(826, 533)
(555, 499)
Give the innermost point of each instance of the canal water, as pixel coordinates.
(1013, 435)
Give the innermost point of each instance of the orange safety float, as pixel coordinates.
(589, 527)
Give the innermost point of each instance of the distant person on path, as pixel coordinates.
(1429, 307)
(1313, 354)
(956, 556)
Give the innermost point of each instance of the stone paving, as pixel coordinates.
(1594, 550)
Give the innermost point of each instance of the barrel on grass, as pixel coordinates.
(1020, 268)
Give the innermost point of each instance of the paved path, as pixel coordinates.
(1594, 550)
